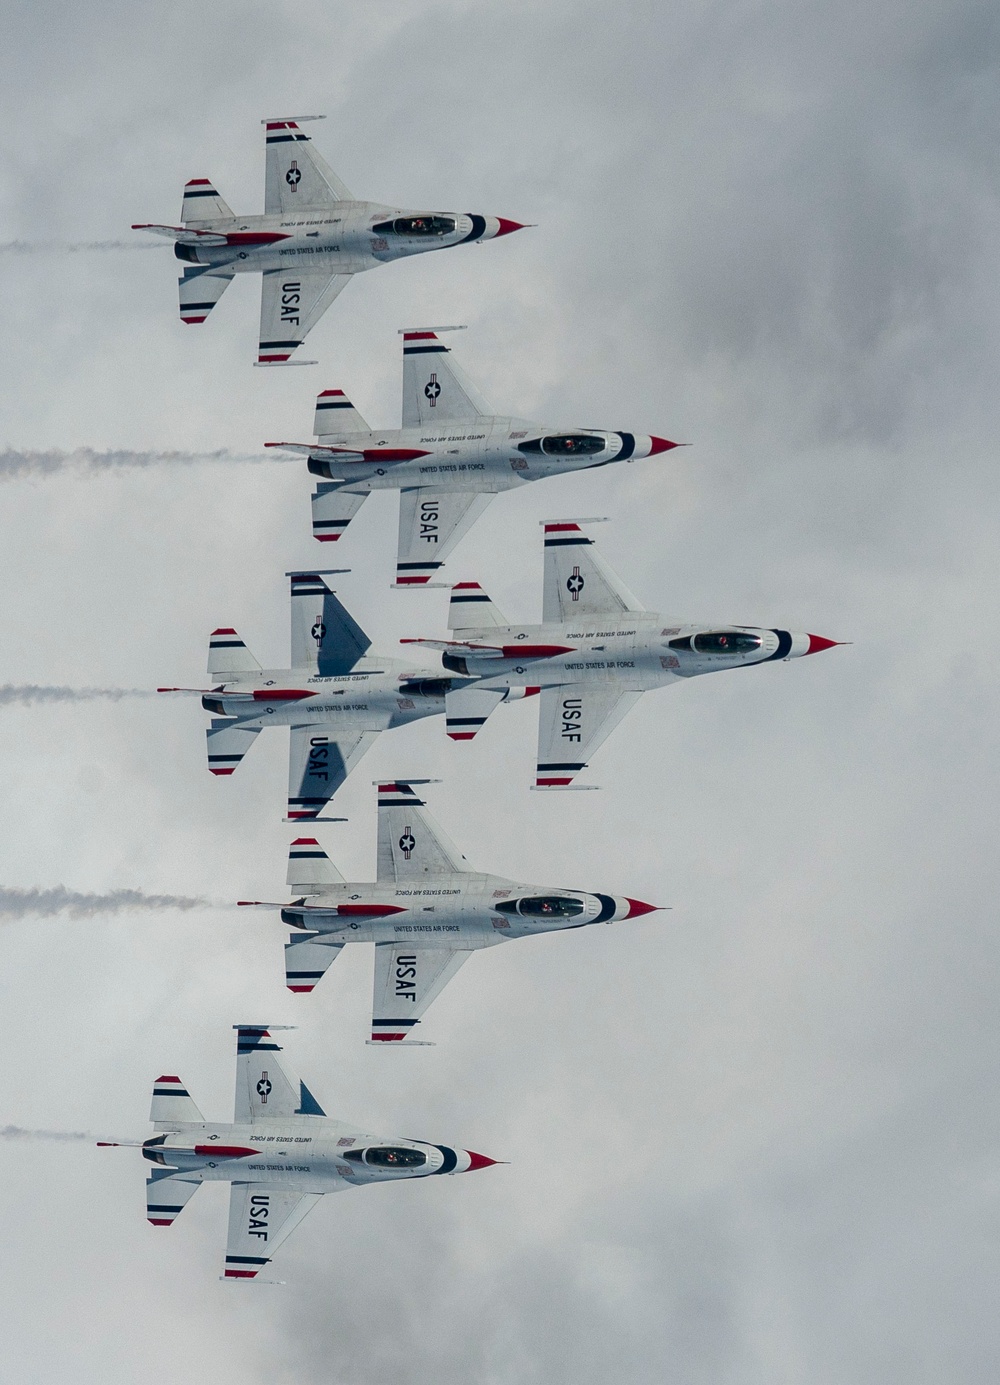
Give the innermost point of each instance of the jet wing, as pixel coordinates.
(261, 1217)
(295, 176)
(265, 1089)
(320, 757)
(292, 301)
(410, 846)
(431, 522)
(407, 979)
(573, 720)
(435, 389)
(576, 583)
(325, 637)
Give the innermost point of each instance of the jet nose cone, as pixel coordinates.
(478, 1161)
(637, 907)
(661, 445)
(507, 226)
(817, 642)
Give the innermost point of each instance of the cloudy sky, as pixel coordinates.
(754, 1139)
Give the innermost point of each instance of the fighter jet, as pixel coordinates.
(595, 653)
(314, 235)
(281, 1154)
(426, 913)
(335, 697)
(453, 453)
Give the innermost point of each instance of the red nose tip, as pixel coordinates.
(479, 1161)
(817, 642)
(661, 445)
(507, 226)
(636, 907)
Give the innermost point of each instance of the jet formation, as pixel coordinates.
(594, 653)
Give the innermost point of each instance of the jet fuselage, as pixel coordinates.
(490, 453)
(307, 1154)
(346, 238)
(381, 693)
(634, 650)
(464, 911)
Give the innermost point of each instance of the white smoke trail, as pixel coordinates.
(16, 904)
(74, 247)
(18, 1132)
(29, 694)
(14, 463)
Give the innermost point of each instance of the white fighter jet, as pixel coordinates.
(453, 453)
(594, 655)
(314, 235)
(335, 697)
(426, 913)
(281, 1154)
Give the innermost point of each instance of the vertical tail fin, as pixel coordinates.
(471, 609)
(203, 204)
(172, 1106)
(310, 868)
(228, 655)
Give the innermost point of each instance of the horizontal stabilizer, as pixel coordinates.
(167, 1196)
(310, 868)
(227, 744)
(307, 959)
(202, 204)
(471, 609)
(335, 414)
(171, 1105)
(466, 710)
(199, 292)
(228, 656)
(332, 511)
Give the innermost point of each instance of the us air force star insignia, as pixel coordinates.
(407, 842)
(575, 584)
(263, 1088)
(318, 631)
(432, 390)
(294, 175)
